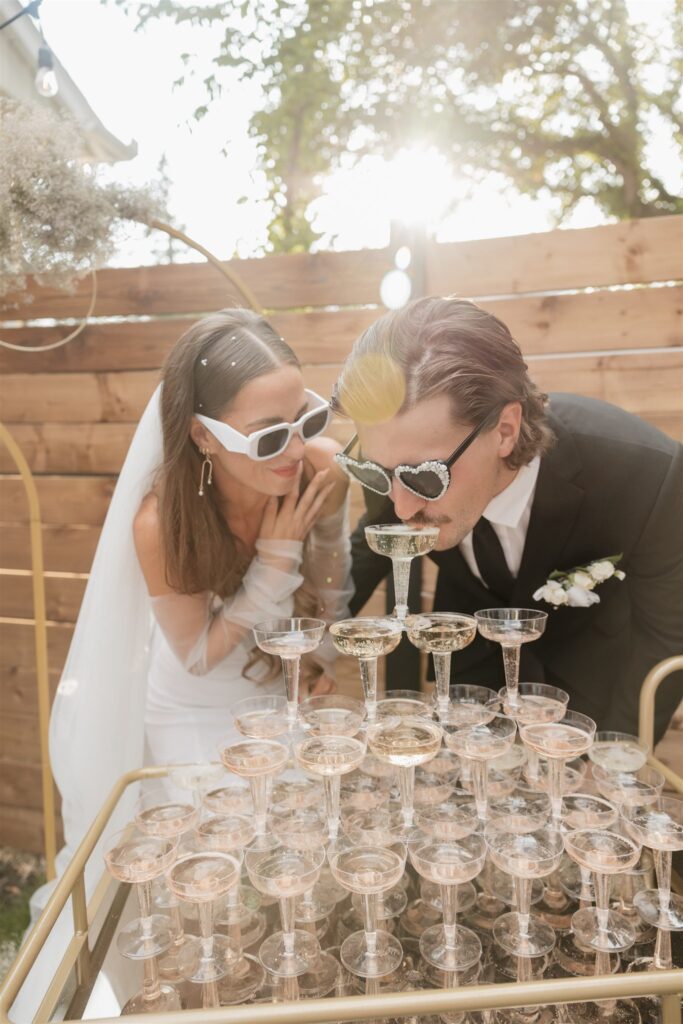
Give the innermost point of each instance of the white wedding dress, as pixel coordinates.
(154, 679)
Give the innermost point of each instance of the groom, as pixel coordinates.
(519, 488)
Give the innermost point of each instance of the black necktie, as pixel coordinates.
(491, 561)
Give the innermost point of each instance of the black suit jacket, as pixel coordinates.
(611, 484)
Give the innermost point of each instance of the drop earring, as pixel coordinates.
(207, 462)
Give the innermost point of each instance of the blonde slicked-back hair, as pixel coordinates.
(436, 346)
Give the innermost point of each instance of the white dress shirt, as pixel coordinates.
(508, 513)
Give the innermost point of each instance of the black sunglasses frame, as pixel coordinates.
(440, 467)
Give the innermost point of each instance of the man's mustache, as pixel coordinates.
(420, 519)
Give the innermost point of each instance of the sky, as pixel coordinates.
(127, 77)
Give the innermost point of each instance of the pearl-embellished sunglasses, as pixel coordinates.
(271, 441)
(429, 480)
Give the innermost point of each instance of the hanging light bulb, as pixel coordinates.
(46, 79)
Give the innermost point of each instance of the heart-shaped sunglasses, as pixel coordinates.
(429, 480)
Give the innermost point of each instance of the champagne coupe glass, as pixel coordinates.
(199, 777)
(536, 702)
(331, 715)
(523, 810)
(405, 742)
(289, 639)
(604, 853)
(284, 873)
(559, 741)
(234, 798)
(618, 752)
(659, 827)
(511, 627)
(401, 544)
(167, 815)
(525, 856)
(406, 703)
(449, 863)
(629, 789)
(479, 742)
(579, 811)
(258, 761)
(470, 705)
(230, 834)
(202, 878)
(367, 639)
(368, 870)
(305, 828)
(261, 718)
(138, 859)
(440, 634)
(330, 757)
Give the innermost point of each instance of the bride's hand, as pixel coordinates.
(293, 519)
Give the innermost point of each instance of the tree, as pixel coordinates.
(563, 97)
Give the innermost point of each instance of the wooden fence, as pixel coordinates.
(596, 311)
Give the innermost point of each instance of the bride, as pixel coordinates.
(228, 511)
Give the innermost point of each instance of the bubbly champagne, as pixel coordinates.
(285, 872)
(365, 641)
(441, 638)
(139, 859)
(256, 758)
(530, 709)
(555, 739)
(510, 632)
(405, 742)
(398, 541)
(331, 721)
(447, 863)
(367, 869)
(166, 819)
(617, 755)
(330, 755)
(289, 645)
(262, 724)
(203, 877)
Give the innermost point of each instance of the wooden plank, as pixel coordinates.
(63, 596)
(76, 397)
(582, 322)
(585, 322)
(70, 447)
(316, 336)
(65, 548)
(64, 500)
(279, 281)
(631, 252)
(20, 784)
(22, 829)
(17, 649)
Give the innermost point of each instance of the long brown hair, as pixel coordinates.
(204, 371)
(446, 346)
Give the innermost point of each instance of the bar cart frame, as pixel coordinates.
(85, 951)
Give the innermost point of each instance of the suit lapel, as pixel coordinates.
(554, 512)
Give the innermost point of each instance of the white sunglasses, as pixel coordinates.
(271, 441)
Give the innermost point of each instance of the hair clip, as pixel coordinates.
(204, 362)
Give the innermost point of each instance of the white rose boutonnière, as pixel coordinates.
(576, 587)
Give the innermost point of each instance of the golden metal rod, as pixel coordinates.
(671, 1009)
(35, 940)
(669, 774)
(426, 1002)
(648, 691)
(80, 914)
(245, 292)
(40, 633)
(559, 990)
